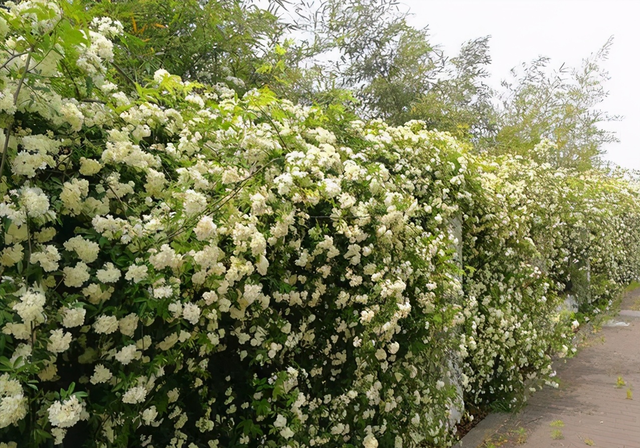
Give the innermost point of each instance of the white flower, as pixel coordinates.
(167, 257)
(194, 203)
(76, 276)
(26, 163)
(35, 201)
(13, 403)
(66, 414)
(370, 441)
(45, 235)
(86, 250)
(21, 351)
(31, 306)
(17, 330)
(162, 292)
(106, 324)
(287, 433)
(135, 395)
(12, 255)
(110, 273)
(262, 265)
(107, 26)
(258, 204)
(73, 317)
(48, 258)
(89, 167)
(136, 273)
(205, 229)
(95, 294)
(73, 194)
(366, 316)
(100, 375)
(59, 341)
(168, 342)
(58, 435)
(149, 415)
(156, 182)
(13, 408)
(127, 354)
(175, 308)
(72, 115)
(128, 324)
(381, 355)
(332, 187)
(173, 395)
(195, 99)
(159, 75)
(280, 421)
(191, 313)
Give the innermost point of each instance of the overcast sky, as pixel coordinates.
(564, 30)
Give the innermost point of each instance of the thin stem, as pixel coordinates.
(21, 80)
(5, 148)
(70, 76)
(124, 74)
(29, 242)
(11, 59)
(15, 103)
(222, 201)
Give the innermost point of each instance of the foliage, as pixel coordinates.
(232, 42)
(397, 74)
(459, 101)
(391, 71)
(560, 106)
(185, 266)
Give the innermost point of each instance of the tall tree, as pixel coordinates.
(395, 72)
(561, 106)
(460, 101)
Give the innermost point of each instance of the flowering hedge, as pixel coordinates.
(183, 267)
(534, 237)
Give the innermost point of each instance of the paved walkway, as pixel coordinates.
(597, 403)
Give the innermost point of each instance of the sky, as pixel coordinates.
(564, 30)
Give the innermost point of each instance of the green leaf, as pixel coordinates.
(71, 36)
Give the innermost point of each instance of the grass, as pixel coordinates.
(620, 383)
(513, 437)
(512, 405)
(521, 435)
(556, 434)
(557, 424)
(589, 442)
(633, 285)
(494, 442)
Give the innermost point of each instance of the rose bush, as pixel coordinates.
(183, 267)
